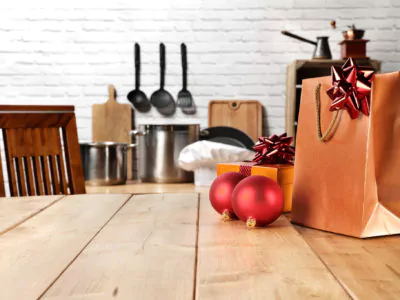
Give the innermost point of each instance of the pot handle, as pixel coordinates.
(137, 133)
(131, 146)
(284, 32)
(204, 133)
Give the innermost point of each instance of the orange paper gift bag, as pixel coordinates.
(349, 183)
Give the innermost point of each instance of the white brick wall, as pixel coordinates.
(54, 52)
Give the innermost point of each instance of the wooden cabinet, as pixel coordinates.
(302, 69)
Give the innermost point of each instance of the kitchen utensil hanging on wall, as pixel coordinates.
(185, 99)
(321, 50)
(162, 99)
(136, 96)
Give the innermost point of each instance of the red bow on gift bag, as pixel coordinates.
(351, 88)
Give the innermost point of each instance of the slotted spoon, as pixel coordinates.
(185, 99)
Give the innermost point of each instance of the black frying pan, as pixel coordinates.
(227, 135)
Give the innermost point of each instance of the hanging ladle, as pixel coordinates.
(137, 97)
(161, 98)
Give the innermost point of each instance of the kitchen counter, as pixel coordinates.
(156, 241)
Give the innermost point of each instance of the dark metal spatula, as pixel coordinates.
(185, 99)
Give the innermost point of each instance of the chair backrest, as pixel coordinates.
(42, 150)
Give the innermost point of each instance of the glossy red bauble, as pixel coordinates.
(257, 200)
(221, 193)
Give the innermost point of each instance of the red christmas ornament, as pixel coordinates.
(257, 200)
(221, 192)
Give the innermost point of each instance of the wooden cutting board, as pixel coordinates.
(245, 115)
(112, 121)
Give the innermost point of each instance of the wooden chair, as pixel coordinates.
(41, 150)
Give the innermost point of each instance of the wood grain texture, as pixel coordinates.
(46, 108)
(11, 171)
(59, 162)
(45, 161)
(18, 153)
(2, 183)
(112, 121)
(42, 182)
(368, 269)
(245, 115)
(147, 251)
(21, 177)
(35, 119)
(34, 253)
(73, 156)
(14, 211)
(266, 263)
(136, 187)
(29, 172)
(34, 153)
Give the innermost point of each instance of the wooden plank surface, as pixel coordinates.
(267, 263)
(368, 269)
(135, 187)
(16, 210)
(147, 251)
(35, 253)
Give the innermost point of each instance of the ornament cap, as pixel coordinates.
(251, 222)
(226, 215)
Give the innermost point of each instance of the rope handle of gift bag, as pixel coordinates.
(323, 137)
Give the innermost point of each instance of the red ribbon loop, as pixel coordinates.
(351, 89)
(274, 150)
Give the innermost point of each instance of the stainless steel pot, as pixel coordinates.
(105, 163)
(158, 151)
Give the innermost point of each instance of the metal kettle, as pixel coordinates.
(321, 50)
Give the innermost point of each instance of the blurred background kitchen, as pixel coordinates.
(67, 53)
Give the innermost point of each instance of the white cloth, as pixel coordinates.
(203, 154)
(202, 157)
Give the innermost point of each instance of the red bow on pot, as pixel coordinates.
(274, 150)
(351, 88)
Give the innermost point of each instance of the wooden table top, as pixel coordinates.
(174, 246)
(134, 187)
